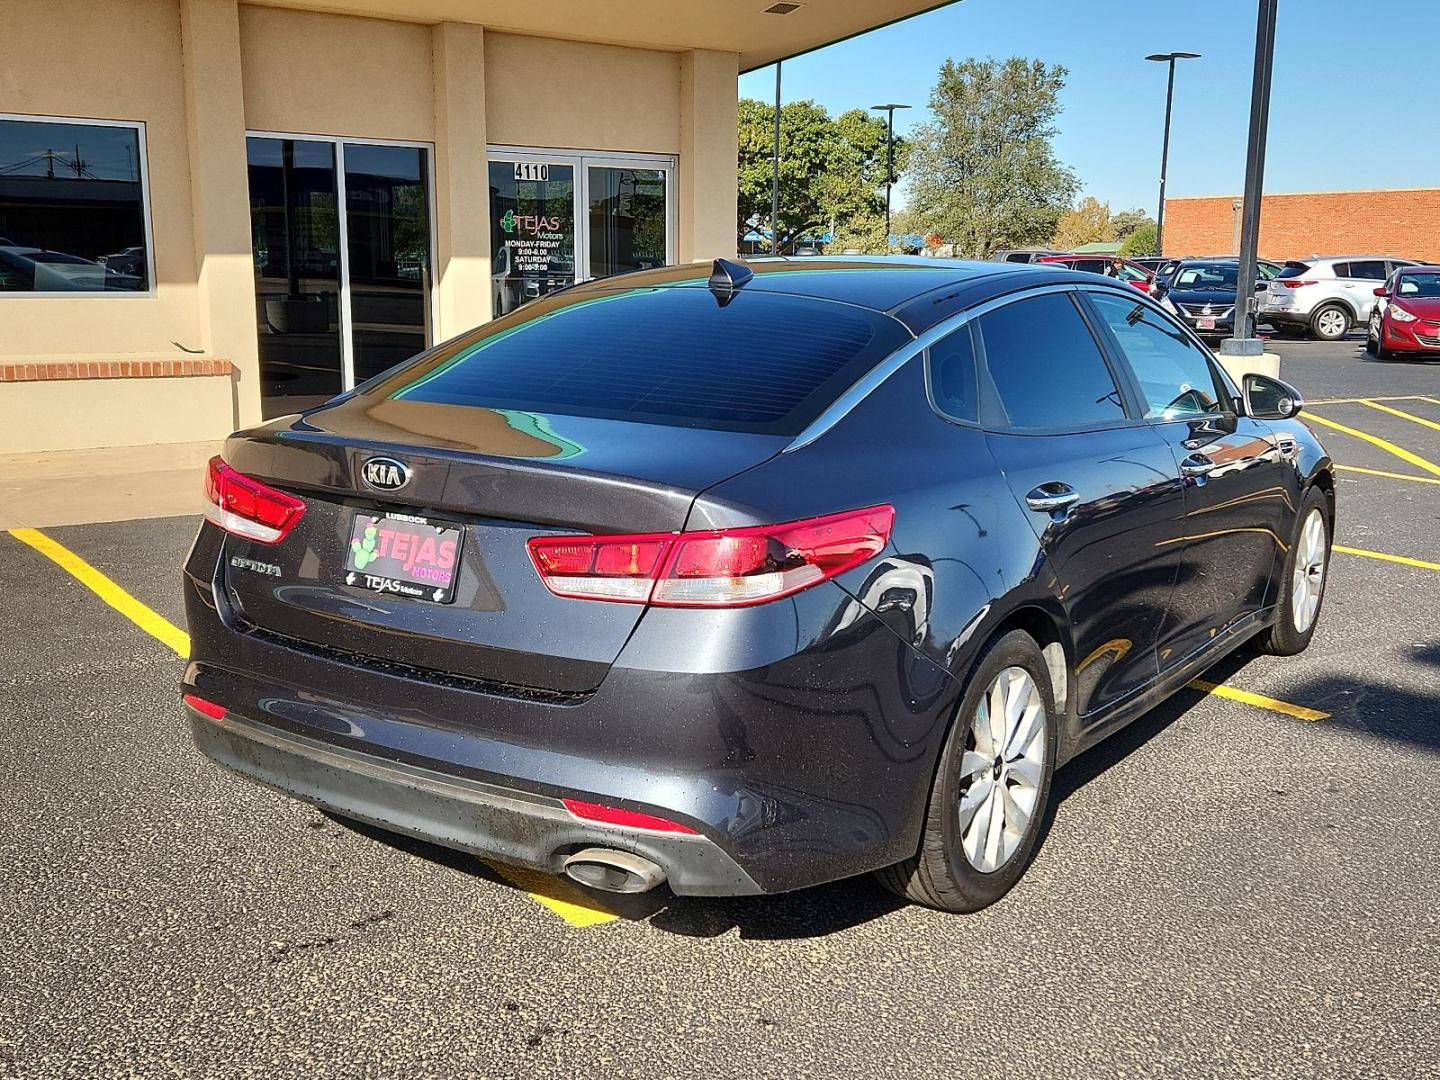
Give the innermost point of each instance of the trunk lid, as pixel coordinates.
(497, 476)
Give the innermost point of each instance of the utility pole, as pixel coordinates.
(889, 111)
(1243, 341)
(1169, 58)
(775, 174)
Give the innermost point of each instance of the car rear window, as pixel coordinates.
(1293, 270)
(762, 362)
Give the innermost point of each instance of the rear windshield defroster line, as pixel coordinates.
(766, 363)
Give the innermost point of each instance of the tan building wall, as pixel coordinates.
(200, 73)
(1397, 222)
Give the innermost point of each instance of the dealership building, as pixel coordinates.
(215, 212)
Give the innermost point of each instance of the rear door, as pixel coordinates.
(1365, 276)
(1098, 486)
(1238, 503)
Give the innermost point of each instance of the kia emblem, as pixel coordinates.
(384, 473)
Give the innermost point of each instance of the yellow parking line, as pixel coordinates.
(1391, 475)
(1375, 440)
(1404, 560)
(1260, 701)
(153, 623)
(1403, 415)
(557, 895)
(1361, 401)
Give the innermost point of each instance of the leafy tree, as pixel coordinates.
(1088, 223)
(984, 172)
(1127, 221)
(1140, 242)
(832, 170)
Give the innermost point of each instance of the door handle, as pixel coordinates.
(1198, 465)
(1048, 498)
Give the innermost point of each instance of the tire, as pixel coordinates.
(954, 869)
(1292, 630)
(1329, 322)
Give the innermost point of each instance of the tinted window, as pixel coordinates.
(1340, 269)
(1369, 270)
(1207, 277)
(952, 375)
(763, 362)
(1293, 270)
(1175, 377)
(72, 208)
(1090, 266)
(1421, 286)
(1046, 366)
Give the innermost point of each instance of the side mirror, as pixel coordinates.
(1270, 399)
(1381, 291)
(1261, 286)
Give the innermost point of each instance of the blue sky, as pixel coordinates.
(1331, 125)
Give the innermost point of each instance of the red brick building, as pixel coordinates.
(1404, 222)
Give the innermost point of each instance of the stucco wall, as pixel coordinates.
(124, 63)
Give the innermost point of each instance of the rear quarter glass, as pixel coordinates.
(761, 362)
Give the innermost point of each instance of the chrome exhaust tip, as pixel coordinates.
(613, 871)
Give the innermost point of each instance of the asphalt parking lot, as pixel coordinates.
(1241, 885)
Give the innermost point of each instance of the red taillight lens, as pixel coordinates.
(244, 506)
(724, 568)
(630, 819)
(206, 708)
(1294, 283)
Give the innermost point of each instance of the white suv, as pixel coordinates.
(1326, 297)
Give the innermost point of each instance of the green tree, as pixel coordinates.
(1140, 242)
(832, 170)
(1088, 223)
(983, 172)
(1127, 221)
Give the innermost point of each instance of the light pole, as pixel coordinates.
(775, 174)
(889, 111)
(1169, 58)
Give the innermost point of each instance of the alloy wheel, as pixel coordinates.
(1308, 578)
(1002, 769)
(1332, 323)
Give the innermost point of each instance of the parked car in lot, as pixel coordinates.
(1025, 255)
(1405, 320)
(1326, 297)
(1132, 273)
(1264, 268)
(852, 556)
(1202, 293)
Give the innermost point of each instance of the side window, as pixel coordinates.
(1175, 376)
(1047, 367)
(951, 365)
(1340, 269)
(1370, 270)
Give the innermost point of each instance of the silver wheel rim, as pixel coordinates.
(1001, 771)
(1307, 581)
(1332, 323)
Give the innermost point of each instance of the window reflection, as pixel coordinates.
(627, 220)
(72, 208)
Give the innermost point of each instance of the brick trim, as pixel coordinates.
(23, 371)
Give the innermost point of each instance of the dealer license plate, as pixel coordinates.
(1205, 324)
(403, 555)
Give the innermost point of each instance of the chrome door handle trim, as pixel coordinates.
(1048, 498)
(1198, 465)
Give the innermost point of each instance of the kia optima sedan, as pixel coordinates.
(750, 581)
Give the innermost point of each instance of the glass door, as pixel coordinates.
(629, 219)
(341, 238)
(532, 230)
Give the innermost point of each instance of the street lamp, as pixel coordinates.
(1169, 58)
(889, 111)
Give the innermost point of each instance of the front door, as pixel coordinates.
(1237, 498)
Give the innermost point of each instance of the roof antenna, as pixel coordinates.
(726, 279)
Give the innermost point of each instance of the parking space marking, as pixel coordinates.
(1359, 401)
(1260, 701)
(1391, 475)
(1383, 444)
(1404, 560)
(1403, 415)
(143, 616)
(557, 895)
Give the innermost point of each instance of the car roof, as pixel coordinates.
(1420, 268)
(916, 290)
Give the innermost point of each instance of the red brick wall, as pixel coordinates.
(1404, 223)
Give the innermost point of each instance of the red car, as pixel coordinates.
(1406, 318)
(1132, 272)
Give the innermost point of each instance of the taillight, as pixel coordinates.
(629, 819)
(205, 708)
(244, 506)
(1294, 283)
(723, 568)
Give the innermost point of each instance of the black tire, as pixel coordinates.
(1284, 638)
(1329, 333)
(940, 874)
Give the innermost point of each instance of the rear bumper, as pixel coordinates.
(509, 825)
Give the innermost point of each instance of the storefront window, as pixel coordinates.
(72, 207)
(532, 229)
(627, 220)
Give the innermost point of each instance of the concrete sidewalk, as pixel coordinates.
(76, 487)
